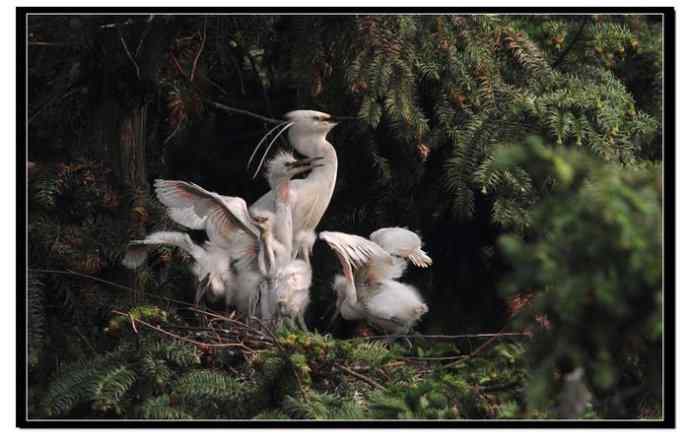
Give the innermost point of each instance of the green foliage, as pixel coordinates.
(477, 387)
(161, 408)
(319, 406)
(595, 262)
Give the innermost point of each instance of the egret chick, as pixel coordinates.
(372, 293)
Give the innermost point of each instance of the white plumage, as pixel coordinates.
(310, 196)
(211, 263)
(368, 289)
(248, 259)
(285, 295)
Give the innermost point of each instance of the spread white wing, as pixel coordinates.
(356, 252)
(402, 242)
(136, 251)
(194, 207)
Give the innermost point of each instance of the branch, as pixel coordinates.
(48, 43)
(243, 112)
(179, 337)
(448, 337)
(129, 54)
(572, 42)
(144, 34)
(172, 135)
(69, 92)
(364, 378)
(106, 282)
(198, 54)
(127, 22)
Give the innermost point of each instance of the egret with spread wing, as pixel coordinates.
(231, 252)
(211, 263)
(368, 289)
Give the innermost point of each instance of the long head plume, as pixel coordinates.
(283, 128)
(256, 149)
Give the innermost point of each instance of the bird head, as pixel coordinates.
(284, 166)
(308, 129)
(311, 122)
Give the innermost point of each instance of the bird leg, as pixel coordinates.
(201, 288)
(302, 324)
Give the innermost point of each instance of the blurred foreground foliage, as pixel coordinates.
(594, 264)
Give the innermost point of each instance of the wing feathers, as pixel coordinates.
(192, 206)
(356, 250)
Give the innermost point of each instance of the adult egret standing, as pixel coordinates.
(367, 289)
(307, 130)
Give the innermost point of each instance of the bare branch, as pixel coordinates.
(106, 282)
(198, 54)
(243, 112)
(364, 378)
(129, 54)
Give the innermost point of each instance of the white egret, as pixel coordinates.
(231, 252)
(285, 295)
(307, 130)
(368, 289)
(211, 263)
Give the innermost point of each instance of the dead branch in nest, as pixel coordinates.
(160, 330)
(362, 377)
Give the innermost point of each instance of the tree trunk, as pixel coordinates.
(131, 170)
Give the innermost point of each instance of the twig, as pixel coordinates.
(172, 135)
(179, 337)
(499, 387)
(198, 54)
(129, 21)
(450, 357)
(364, 378)
(48, 43)
(177, 64)
(490, 340)
(144, 34)
(243, 112)
(134, 326)
(447, 337)
(572, 42)
(129, 54)
(88, 343)
(213, 83)
(50, 101)
(106, 282)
